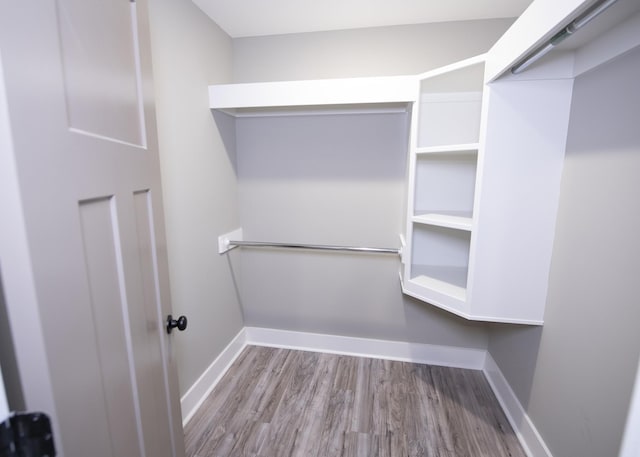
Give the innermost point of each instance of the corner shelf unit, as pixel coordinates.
(486, 150)
(443, 165)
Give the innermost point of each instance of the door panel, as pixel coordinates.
(100, 68)
(149, 355)
(78, 81)
(109, 363)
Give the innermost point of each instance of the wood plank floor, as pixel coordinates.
(279, 403)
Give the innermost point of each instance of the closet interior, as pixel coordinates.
(485, 149)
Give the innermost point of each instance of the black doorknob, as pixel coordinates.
(180, 323)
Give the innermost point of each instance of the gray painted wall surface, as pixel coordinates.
(377, 51)
(199, 181)
(575, 375)
(331, 180)
(338, 180)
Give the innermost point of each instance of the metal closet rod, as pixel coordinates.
(319, 247)
(594, 11)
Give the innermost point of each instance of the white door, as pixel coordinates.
(77, 80)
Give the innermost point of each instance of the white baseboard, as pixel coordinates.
(364, 347)
(200, 390)
(527, 434)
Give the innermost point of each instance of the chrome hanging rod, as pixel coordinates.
(320, 247)
(570, 29)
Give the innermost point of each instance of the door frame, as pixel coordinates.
(630, 446)
(18, 282)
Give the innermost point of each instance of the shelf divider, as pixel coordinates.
(442, 219)
(464, 148)
(442, 287)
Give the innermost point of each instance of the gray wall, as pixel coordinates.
(338, 180)
(575, 375)
(199, 181)
(331, 180)
(377, 51)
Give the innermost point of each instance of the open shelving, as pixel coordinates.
(445, 183)
(440, 257)
(442, 172)
(486, 150)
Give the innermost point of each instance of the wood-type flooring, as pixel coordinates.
(279, 403)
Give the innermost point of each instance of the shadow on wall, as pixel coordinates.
(233, 261)
(226, 125)
(523, 362)
(8, 361)
(364, 148)
(444, 327)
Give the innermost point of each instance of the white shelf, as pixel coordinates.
(459, 220)
(466, 148)
(446, 280)
(355, 93)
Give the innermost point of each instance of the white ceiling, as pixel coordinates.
(243, 18)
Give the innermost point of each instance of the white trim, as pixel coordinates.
(364, 347)
(223, 240)
(322, 92)
(328, 110)
(534, 26)
(4, 406)
(631, 439)
(481, 58)
(200, 390)
(525, 430)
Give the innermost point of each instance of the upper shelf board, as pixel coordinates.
(388, 93)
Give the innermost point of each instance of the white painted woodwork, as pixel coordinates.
(83, 263)
(444, 220)
(523, 426)
(223, 240)
(616, 31)
(7, 190)
(486, 150)
(17, 274)
(86, 56)
(443, 157)
(539, 22)
(449, 149)
(630, 446)
(236, 99)
(516, 210)
(4, 406)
